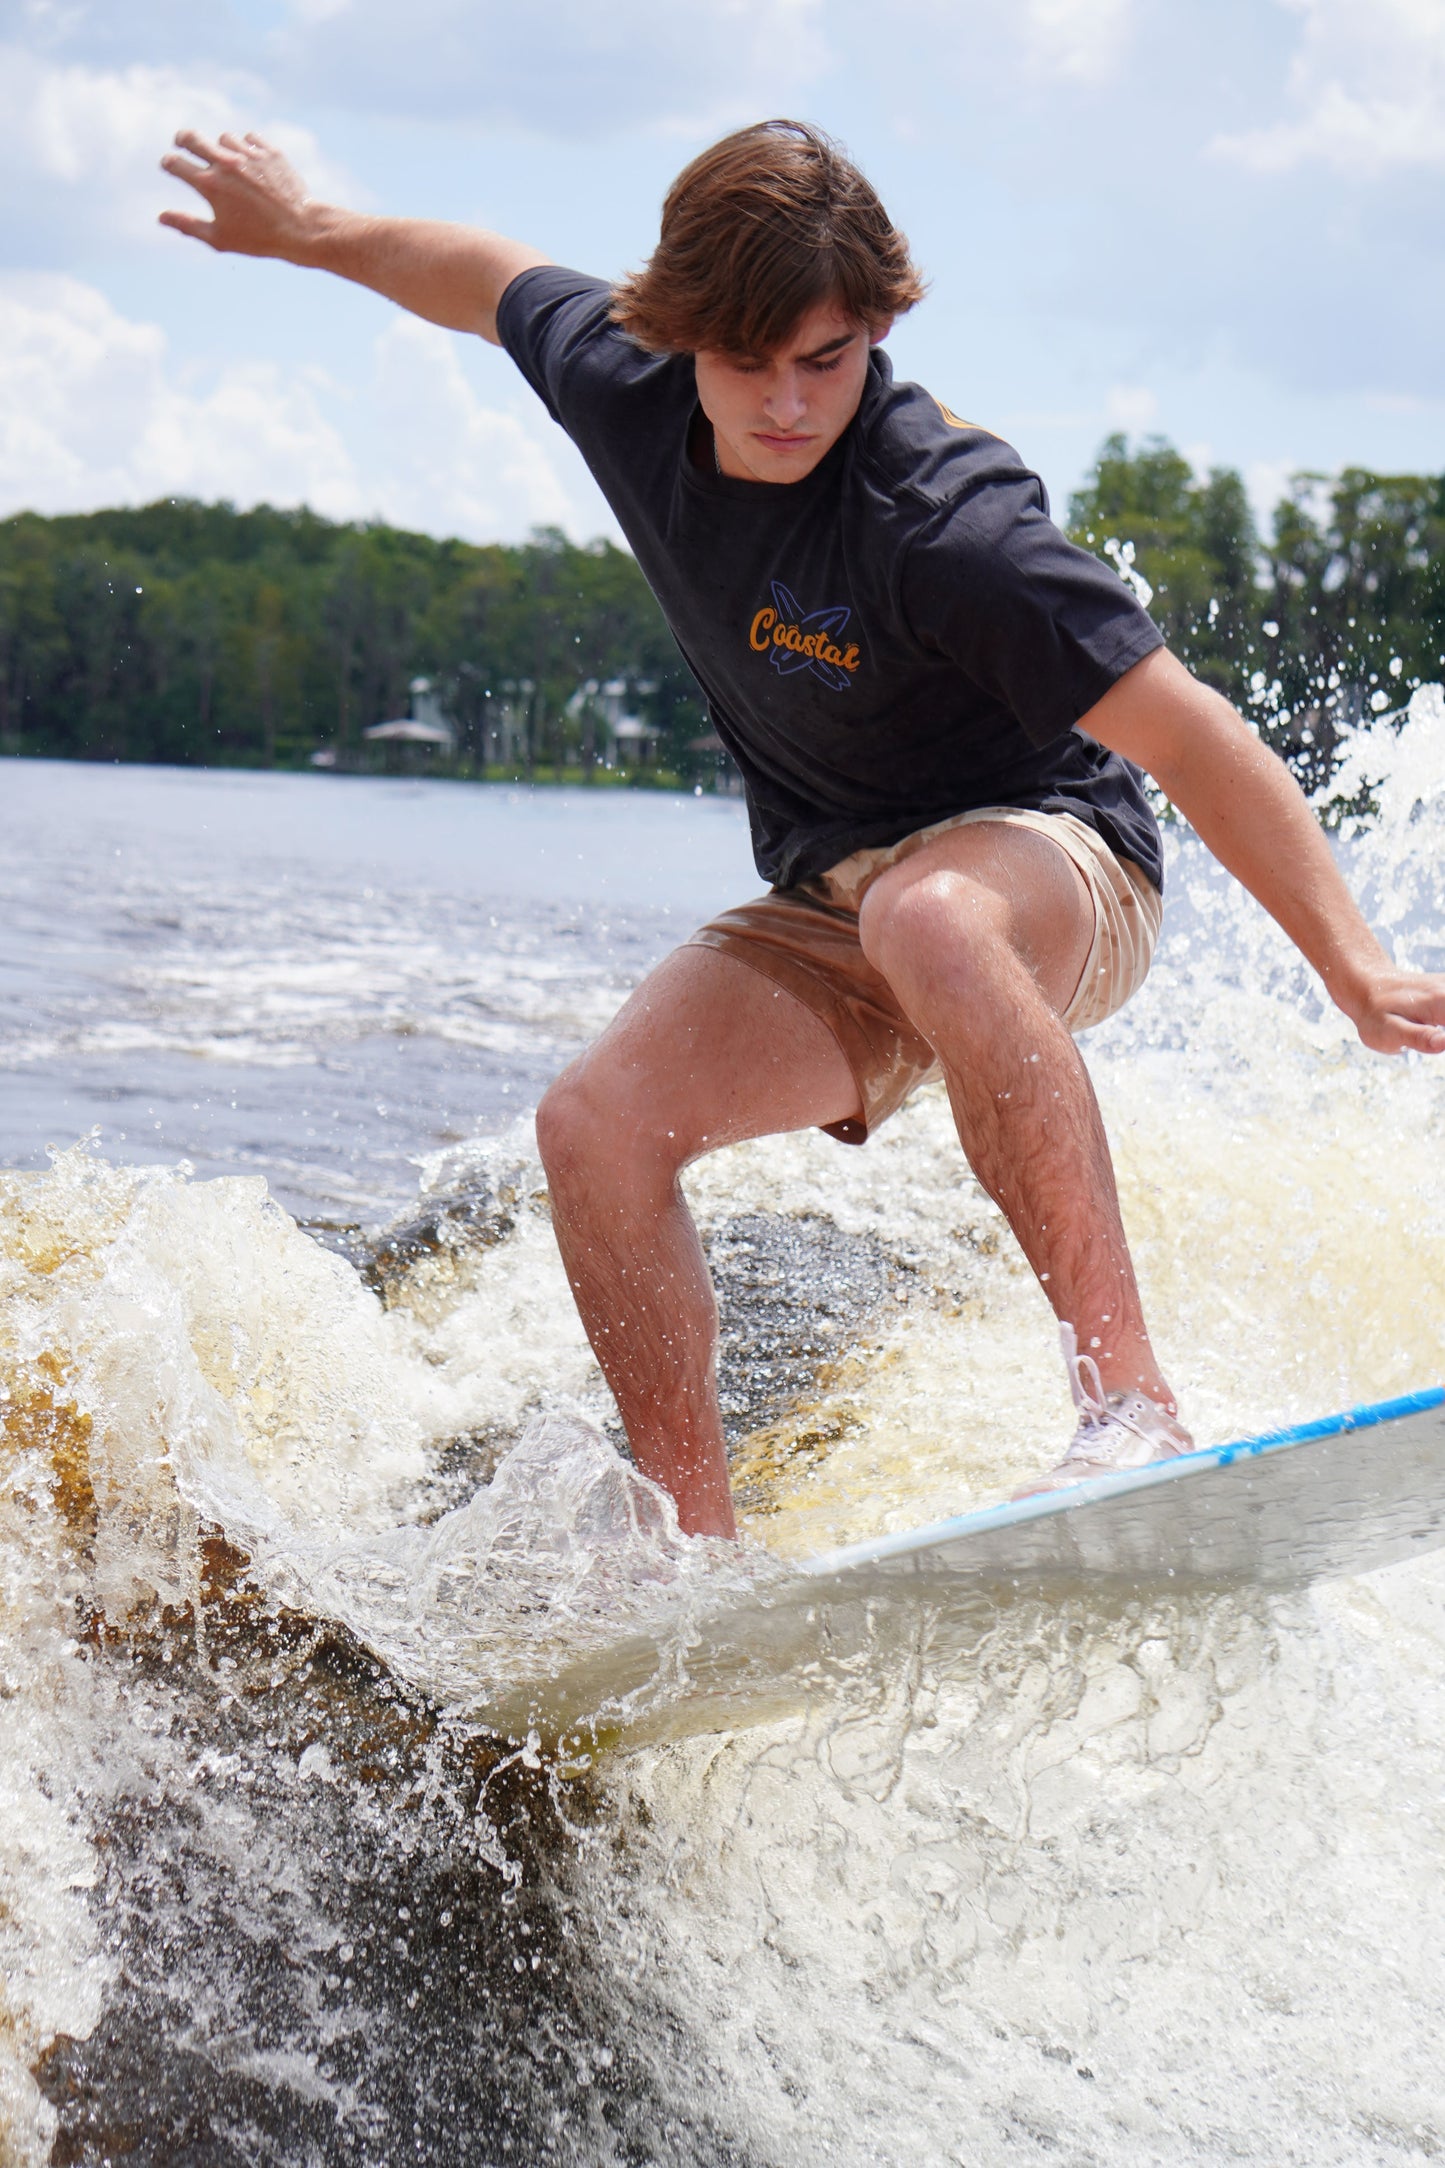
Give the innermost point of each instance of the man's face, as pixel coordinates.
(775, 418)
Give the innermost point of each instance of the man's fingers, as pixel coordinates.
(188, 140)
(199, 229)
(256, 198)
(1396, 1034)
(1424, 1038)
(1405, 1014)
(184, 170)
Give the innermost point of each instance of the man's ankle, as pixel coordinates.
(1133, 1374)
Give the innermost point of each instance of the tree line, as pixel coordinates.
(1339, 615)
(194, 633)
(197, 634)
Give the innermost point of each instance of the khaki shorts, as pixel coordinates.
(805, 940)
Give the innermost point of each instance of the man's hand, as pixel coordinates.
(258, 200)
(452, 275)
(1400, 1011)
(1245, 805)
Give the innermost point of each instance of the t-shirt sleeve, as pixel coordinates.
(555, 326)
(1039, 625)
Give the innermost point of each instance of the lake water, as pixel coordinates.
(321, 978)
(333, 1827)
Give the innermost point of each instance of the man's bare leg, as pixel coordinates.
(982, 935)
(706, 1053)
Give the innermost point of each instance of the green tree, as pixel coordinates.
(1336, 620)
(1195, 545)
(1357, 592)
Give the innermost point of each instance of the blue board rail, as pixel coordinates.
(1326, 1510)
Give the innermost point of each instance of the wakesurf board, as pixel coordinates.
(1343, 1495)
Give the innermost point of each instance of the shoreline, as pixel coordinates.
(545, 776)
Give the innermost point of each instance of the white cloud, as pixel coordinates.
(587, 69)
(91, 413)
(990, 54)
(1131, 407)
(1081, 40)
(1367, 88)
(1408, 403)
(79, 146)
(1266, 482)
(452, 465)
(94, 411)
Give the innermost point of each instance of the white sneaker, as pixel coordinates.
(1116, 1430)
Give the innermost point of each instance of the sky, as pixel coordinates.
(1219, 220)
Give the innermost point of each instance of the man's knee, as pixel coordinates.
(571, 1129)
(935, 922)
(590, 1129)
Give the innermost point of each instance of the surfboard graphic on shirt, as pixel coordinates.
(798, 639)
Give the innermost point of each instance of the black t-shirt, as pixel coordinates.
(901, 636)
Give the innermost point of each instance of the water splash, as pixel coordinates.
(567, 1555)
(1159, 1883)
(1398, 766)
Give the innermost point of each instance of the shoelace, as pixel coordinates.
(1094, 1410)
(1125, 1415)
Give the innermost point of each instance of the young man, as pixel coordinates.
(940, 710)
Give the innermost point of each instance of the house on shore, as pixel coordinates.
(619, 739)
(409, 744)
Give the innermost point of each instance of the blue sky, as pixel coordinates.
(1220, 221)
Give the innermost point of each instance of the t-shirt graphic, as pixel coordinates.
(902, 635)
(800, 639)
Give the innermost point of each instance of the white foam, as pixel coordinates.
(1163, 1889)
(52, 1971)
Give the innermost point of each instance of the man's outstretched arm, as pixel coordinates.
(451, 275)
(1251, 813)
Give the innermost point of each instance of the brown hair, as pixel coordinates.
(755, 233)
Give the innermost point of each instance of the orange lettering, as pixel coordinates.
(766, 630)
